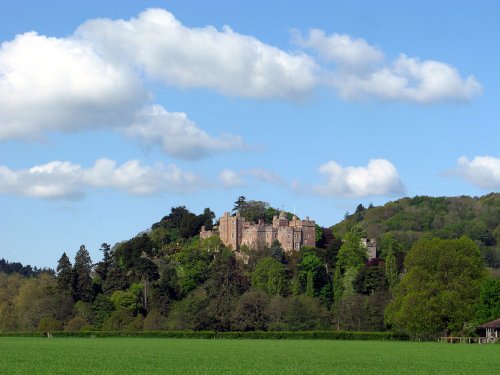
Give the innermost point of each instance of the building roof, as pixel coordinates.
(492, 324)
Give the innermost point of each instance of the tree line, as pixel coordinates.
(168, 279)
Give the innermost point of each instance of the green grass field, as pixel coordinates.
(20, 355)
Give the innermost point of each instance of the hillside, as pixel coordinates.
(409, 219)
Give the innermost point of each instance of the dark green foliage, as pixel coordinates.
(224, 285)
(16, 267)
(102, 268)
(82, 282)
(102, 308)
(488, 308)
(183, 224)
(358, 312)
(297, 313)
(371, 277)
(257, 210)
(116, 278)
(251, 312)
(130, 253)
(260, 335)
(190, 312)
(65, 275)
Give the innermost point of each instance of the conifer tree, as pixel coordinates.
(82, 281)
(65, 275)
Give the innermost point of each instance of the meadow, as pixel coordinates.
(29, 355)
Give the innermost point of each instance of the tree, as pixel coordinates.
(391, 269)
(250, 313)
(192, 265)
(102, 268)
(38, 298)
(371, 277)
(65, 275)
(440, 289)
(240, 204)
(489, 300)
(82, 284)
(312, 274)
(269, 275)
(351, 254)
(223, 287)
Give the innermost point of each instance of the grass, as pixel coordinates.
(23, 355)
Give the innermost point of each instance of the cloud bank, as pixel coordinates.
(62, 179)
(482, 171)
(379, 177)
(98, 76)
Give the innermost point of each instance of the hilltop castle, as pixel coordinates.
(235, 231)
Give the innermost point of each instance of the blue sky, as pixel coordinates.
(113, 112)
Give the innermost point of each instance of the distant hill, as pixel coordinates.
(407, 219)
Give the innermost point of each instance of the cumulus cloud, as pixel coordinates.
(177, 135)
(231, 178)
(482, 171)
(62, 179)
(97, 76)
(222, 60)
(346, 52)
(379, 177)
(361, 72)
(49, 84)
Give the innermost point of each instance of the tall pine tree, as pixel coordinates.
(65, 275)
(82, 282)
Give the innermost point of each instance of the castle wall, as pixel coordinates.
(234, 231)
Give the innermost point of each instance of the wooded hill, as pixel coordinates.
(429, 277)
(401, 223)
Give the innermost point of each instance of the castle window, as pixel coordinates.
(297, 245)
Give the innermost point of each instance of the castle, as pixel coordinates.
(235, 231)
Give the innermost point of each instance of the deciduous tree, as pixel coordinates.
(441, 288)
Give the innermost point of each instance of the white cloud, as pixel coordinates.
(361, 73)
(177, 135)
(482, 171)
(224, 61)
(51, 84)
(346, 52)
(59, 179)
(230, 178)
(95, 77)
(379, 177)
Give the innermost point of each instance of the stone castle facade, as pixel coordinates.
(235, 231)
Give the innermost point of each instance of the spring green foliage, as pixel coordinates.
(408, 219)
(440, 289)
(269, 275)
(191, 356)
(167, 278)
(351, 254)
